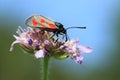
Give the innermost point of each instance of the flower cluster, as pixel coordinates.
(41, 44)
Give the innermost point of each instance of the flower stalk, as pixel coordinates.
(45, 67)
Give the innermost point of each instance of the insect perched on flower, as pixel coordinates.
(39, 21)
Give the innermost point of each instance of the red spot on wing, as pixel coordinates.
(34, 22)
(52, 26)
(42, 21)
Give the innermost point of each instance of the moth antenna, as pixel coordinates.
(76, 27)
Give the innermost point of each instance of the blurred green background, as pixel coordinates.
(102, 19)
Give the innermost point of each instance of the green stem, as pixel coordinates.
(45, 68)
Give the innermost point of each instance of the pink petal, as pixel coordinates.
(12, 45)
(85, 49)
(79, 59)
(39, 54)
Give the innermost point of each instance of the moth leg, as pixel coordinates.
(55, 33)
(57, 36)
(66, 36)
(52, 35)
(63, 35)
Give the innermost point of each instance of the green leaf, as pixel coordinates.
(61, 55)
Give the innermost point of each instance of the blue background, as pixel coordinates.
(102, 19)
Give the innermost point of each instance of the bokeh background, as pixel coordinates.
(102, 19)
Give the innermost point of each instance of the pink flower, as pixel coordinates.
(75, 51)
(40, 43)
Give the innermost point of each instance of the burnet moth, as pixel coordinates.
(39, 21)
